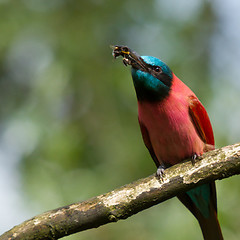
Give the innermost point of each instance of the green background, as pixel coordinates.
(68, 112)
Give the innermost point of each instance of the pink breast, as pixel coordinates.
(171, 131)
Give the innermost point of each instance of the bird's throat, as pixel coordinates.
(149, 88)
(149, 95)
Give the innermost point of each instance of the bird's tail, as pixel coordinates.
(210, 227)
(201, 201)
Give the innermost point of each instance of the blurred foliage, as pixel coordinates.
(68, 114)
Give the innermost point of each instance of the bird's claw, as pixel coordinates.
(194, 158)
(160, 172)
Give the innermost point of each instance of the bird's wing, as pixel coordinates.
(148, 143)
(203, 126)
(201, 121)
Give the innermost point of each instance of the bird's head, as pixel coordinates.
(152, 78)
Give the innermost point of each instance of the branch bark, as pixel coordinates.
(129, 199)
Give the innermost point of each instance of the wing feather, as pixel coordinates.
(147, 141)
(201, 120)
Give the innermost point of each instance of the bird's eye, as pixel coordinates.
(157, 69)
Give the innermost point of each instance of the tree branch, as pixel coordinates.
(129, 199)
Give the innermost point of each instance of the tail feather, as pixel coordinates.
(210, 227)
(207, 219)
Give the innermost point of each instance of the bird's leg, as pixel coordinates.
(160, 171)
(193, 158)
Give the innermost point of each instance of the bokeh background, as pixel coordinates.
(68, 113)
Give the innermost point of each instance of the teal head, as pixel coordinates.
(152, 78)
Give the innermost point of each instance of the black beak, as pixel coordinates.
(129, 57)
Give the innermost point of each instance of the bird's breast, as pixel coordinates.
(170, 128)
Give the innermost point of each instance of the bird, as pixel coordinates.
(174, 126)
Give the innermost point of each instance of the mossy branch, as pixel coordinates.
(129, 199)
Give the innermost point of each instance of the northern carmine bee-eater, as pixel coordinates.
(175, 126)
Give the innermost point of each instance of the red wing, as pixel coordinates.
(201, 120)
(148, 143)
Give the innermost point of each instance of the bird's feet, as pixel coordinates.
(160, 172)
(194, 158)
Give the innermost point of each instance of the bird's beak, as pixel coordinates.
(129, 57)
